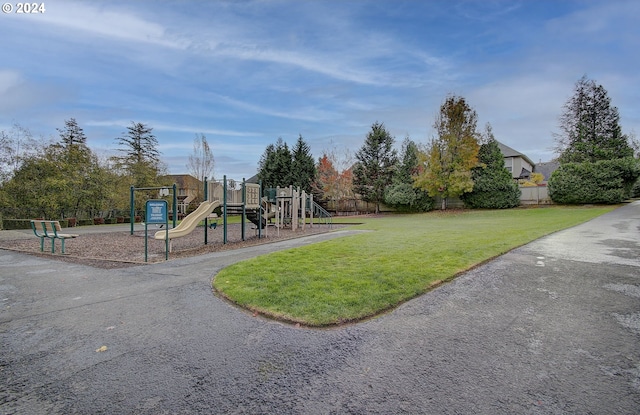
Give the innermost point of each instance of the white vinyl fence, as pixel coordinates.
(538, 195)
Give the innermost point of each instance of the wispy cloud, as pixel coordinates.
(161, 126)
(110, 21)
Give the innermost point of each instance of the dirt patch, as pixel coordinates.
(121, 249)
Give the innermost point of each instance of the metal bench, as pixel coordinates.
(50, 229)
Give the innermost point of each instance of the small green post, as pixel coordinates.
(175, 207)
(132, 211)
(224, 209)
(260, 212)
(206, 221)
(244, 207)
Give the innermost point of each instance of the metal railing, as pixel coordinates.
(320, 212)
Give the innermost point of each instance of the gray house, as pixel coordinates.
(546, 168)
(517, 163)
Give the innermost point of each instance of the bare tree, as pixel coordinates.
(15, 146)
(201, 161)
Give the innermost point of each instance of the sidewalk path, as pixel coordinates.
(552, 327)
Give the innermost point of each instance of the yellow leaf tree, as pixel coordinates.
(447, 161)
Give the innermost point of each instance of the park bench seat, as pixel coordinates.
(50, 229)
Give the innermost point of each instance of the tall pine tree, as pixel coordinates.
(303, 169)
(590, 127)
(376, 162)
(275, 165)
(141, 158)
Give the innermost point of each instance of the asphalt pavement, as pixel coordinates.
(552, 327)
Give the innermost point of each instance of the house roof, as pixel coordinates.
(509, 152)
(546, 168)
(183, 180)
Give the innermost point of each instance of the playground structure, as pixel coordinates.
(277, 208)
(293, 207)
(189, 223)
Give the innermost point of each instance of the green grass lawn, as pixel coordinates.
(403, 256)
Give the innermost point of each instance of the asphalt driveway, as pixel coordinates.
(550, 328)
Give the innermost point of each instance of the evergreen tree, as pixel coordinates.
(72, 135)
(303, 169)
(141, 158)
(77, 162)
(603, 181)
(401, 194)
(266, 172)
(493, 186)
(597, 160)
(450, 156)
(275, 165)
(591, 127)
(376, 162)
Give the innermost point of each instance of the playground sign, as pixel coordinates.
(156, 212)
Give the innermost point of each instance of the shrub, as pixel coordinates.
(635, 191)
(404, 197)
(9, 224)
(605, 181)
(493, 185)
(492, 194)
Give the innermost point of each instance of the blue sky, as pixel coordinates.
(244, 73)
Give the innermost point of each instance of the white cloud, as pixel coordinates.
(8, 80)
(160, 126)
(110, 21)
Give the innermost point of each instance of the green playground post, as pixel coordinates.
(244, 206)
(260, 213)
(175, 206)
(206, 220)
(224, 210)
(132, 210)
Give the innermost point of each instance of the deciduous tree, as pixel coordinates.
(401, 193)
(201, 161)
(16, 145)
(449, 157)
